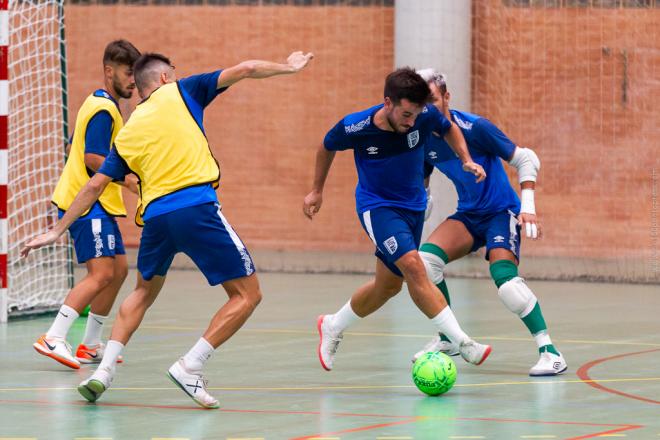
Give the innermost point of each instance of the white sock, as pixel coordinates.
(62, 323)
(344, 318)
(198, 355)
(93, 329)
(445, 323)
(112, 352)
(542, 339)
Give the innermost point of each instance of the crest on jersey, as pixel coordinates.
(413, 139)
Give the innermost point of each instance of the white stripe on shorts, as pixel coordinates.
(366, 216)
(234, 236)
(96, 226)
(513, 222)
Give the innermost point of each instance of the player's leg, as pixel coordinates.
(366, 300)
(430, 301)
(90, 243)
(131, 313)
(217, 250)
(155, 256)
(516, 295)
(450, 241)
(91, 348)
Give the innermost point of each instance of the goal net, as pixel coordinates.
(36, 135)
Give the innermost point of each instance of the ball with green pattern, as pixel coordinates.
(434, 373)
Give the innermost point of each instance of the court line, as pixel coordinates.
(407, 335)
(583, 374)
(353, 387)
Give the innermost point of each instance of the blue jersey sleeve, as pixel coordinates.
(114, 166)
(337, 139)
(203, 88)
(98, 134)
(439, 123)
(492, 140)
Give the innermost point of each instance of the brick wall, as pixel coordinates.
(580, 86)
(264, 133)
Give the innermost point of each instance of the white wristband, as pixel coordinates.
(527, 201)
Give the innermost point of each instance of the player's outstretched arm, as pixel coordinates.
(527, 164)
(263, 69)
(314, 199)
(456, 141)
(83, 201)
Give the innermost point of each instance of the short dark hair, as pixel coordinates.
(405, 83)
(142, 66)
(120, 52)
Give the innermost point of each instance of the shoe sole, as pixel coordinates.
(176, 382)
(92, 390)
(550, 374)
(485, 356)
(41, 350)
(319, 322)
(448, 353)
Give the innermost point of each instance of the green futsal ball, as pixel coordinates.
(434, 373)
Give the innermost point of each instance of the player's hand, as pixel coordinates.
(530, 224)
(476, 169)
(41, 240)
(298, 60)
(312, 203)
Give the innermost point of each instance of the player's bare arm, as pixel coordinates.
(87, 196)
(456, 141)
(257, 69)
(314, 199)
(527, 164)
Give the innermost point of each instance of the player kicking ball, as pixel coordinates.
(489, 214)
(387, 143)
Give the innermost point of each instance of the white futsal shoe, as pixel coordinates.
(57, 349)
(474, 352)
(92, 388)
(437, 345)
(328, 342)
(193, 384)
(549, 364)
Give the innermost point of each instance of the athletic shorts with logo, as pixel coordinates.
(96, 237)
(202, 233)
(394, 231)
(499, 230)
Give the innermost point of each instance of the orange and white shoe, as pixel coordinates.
(92, 354)
(57, 349)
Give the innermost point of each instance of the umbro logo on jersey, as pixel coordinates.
(413, 139)
(433, 155)
(498, 239)
(391, 245)
(372, 150)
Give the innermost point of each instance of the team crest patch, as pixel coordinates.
(391, 245)
(413, 139)
(111, 242)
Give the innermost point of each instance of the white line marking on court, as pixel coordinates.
(406, 335)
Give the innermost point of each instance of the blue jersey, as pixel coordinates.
(390, 165)
(487, 145)
(198, 91)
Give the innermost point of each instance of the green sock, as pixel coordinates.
(502, 271)
(442, 285)
(534, 320)
(549, 348)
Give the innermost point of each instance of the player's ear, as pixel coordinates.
(108, 70)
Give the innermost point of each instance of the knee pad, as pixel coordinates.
(517, 297)
(435, 267)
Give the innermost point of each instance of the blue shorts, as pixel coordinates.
(96, 237)
(202, 233)
(394, 231)
(500, 230)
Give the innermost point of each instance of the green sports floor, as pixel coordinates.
(271, 386)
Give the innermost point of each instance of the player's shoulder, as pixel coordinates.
(359, 121)
(465, 120)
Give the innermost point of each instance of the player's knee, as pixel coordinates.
(412, 266)
(103, 277)
(391, 290)
(517, 296)
(121, 271)
(434, 265)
